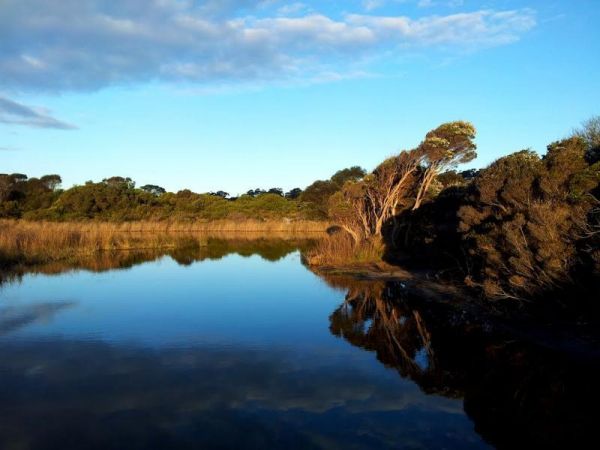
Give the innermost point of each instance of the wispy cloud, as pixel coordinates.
(447, 3)
(293, 8)
(15, 113)
(371, 5)
(66, 45)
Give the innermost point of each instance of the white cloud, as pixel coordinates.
(66, 45)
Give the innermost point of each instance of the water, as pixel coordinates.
(229, 350)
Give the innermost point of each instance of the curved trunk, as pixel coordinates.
(352, 233)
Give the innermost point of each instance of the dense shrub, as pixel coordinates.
(525, 217)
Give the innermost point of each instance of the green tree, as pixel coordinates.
(590, 133)
(445, 147)
(124, 182)
(319, 192)
(153, 189)
(276, 191)
(293, 194)
(52, 182)
(353, 173)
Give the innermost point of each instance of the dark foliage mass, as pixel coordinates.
(525, 226)
(520, 228)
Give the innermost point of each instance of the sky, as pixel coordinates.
(241, 94)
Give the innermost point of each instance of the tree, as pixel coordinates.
(153, 189)
(18, 177)
(563, 160)
(447, 146)
(6, 186)
(590, 133)
(389, 186)
(353, 173)
(318, 195)
(276, 191)
(392, 184)
(256, 192)
(469, 174)
(293, 194)
(349, 211)
(320, 191)
(376, 198)
(119, 182)
(51, 181)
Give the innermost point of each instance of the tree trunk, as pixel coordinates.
(352, 233)
(427, 179)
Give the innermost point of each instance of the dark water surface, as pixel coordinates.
(241, 346)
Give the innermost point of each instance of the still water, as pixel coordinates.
(247, 348)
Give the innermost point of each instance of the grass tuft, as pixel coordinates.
(339, 250)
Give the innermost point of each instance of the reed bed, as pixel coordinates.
(34, 242)
(340, 250)
(290, 226)
(229, 226)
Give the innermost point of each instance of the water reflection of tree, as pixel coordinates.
(397, 333)
(519, 394)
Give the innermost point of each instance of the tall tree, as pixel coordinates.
(388, 187)
(293, 194)
(153, 189)
(276, 191)
(353, 173)
(51, 181)
(590, 133)
(443, 148)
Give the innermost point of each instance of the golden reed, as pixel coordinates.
(340, 250)
(45, 241)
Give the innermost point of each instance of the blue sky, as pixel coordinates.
(239, 94)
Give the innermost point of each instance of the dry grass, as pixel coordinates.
(34, 242)
(229, 226)
(339, 250)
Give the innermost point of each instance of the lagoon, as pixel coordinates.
(241, 346)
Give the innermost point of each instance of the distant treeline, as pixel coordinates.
(117, 199)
